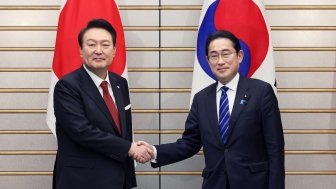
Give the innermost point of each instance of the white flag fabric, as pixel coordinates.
(246, 20)
(74, 15)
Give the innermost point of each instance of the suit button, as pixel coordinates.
(226, 150)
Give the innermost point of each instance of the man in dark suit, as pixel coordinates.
(249, 151)
(93, 119)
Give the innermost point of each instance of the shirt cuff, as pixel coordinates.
(155, 155)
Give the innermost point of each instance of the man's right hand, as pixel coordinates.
(141, 151)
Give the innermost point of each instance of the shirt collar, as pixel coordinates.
(232, 85)
(97, 80)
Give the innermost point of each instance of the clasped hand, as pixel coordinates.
(141, 151)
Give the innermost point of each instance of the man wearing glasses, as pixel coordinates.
(237, 122)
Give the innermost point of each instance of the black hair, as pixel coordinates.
(97, 23)
(222, 34)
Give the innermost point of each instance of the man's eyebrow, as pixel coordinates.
(223, 50)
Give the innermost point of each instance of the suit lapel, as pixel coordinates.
(239, 103)
(91, 90)
(119, 103)
(211, 111)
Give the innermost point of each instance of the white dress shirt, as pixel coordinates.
(231, 93)
(97, 81)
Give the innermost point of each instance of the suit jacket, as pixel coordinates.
(253, 156)
(91, 152)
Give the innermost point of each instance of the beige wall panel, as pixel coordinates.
(310, 142)
(177, 58)
(301, 17)
(304, 38)
(140, 17)
(174, 100)
(305, 58)
(181, 2)
(26, 59)
(20, 100)
(26, 182)
(299, 2)
(143, 121)
(310, 181)
(23, 121)
(144, 167)
(30, 2)
(309, 121)
(310, 162)
(27, 142)
(150, 138)
(27, 162)
(176, 79)
(306, 100)
(27, 38)
(181, 181)
(142, 2)
(25, 80)
(143, 80)
(142, 38)
(145, 100)
(29, 17)
(305, 80)
(148, 182)
(180, 17)
(173, 120)
(139, 59)
(178, 38)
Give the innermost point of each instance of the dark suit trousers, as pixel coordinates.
(227, 183)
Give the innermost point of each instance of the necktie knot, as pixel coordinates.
(224, 89)
(104, 85)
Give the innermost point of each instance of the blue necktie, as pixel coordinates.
(224, 115)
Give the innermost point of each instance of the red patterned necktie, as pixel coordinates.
(110, 104)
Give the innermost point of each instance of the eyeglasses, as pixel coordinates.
(214, 56)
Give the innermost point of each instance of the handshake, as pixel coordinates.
(141, 152)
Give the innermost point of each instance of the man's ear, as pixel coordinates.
(80, 52)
